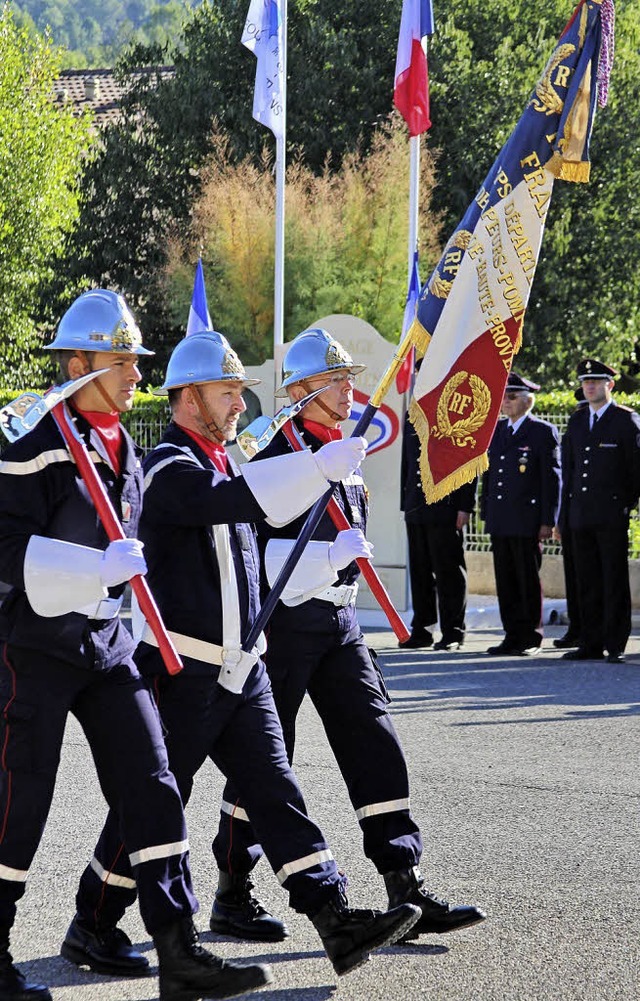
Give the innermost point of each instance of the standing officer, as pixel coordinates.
(600, 486)
(437, 567)
(317, 646)
(571, 638)
(519, 503)
(66, 650)
(204, 572)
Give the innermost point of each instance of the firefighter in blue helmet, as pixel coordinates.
(332, 663)
(66, 650)
(204, 571)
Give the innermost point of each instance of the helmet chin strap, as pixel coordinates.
(319, 402)
(98, 384)
(205, 414)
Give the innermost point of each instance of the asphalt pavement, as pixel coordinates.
(526, 785)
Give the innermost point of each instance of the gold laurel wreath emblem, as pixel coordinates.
(548, 100)
(461, 432)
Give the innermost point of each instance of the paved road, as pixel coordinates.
(525, 780)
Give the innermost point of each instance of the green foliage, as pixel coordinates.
(93, 32)
(346, 243)
(41, 146)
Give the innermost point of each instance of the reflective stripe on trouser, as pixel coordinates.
(123, 730)
(244, 739)
(333, 663)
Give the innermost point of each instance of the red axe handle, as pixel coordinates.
(376, 586)
(114, 531)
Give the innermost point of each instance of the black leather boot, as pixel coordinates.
(13, 986)
(349, 935)
(237, 911)
(188, 972)
(103, 950)
(438, 916)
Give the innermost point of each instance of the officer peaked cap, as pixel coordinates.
(592, 369)
(518, 382)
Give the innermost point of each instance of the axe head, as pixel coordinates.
(20, 416)
(257, 435)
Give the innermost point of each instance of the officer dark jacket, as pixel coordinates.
(352, 497)
(600, 468)
(184, 495)
(521, 488)
(42, 493)
(412, 499)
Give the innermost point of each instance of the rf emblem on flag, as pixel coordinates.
(474, 405)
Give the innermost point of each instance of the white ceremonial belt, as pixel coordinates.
(187, 646)
(107, 608)
(341, 596)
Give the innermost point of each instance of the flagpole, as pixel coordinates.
(414, 197)
(281, 156)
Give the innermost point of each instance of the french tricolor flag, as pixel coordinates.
(411, 89)
(199, 318)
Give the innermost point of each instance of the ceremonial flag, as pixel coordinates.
(411, 89)
(199, 318)
(264, 36)
(470, 313)
(405, 373)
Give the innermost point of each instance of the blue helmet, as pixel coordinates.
(98, 320)
(314, 352)
(203, 357)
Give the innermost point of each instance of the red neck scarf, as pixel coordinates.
(322, 432)
(108, 427)
(212, 450)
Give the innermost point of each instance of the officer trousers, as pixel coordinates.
(438, 573)
(122, 727)
(517, 561)
(602, 573)
(243, 737)
(333, 665)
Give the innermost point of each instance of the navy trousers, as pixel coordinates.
(601, 556)
(123, 729)
(243, 737)
(330, 660)
(517, 561)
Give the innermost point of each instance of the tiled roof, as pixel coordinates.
(98, 90)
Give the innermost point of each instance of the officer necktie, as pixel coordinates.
(594, 421)
(511, 430)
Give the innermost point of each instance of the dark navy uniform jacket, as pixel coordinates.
(600, 468)
(412, 499)
(351, 495)
(42, 493)
(181, 501)
(521, 488)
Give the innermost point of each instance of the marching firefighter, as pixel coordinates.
(204, 570)
(316, 646)
(65, 651)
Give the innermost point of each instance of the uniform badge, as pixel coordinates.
(126, 511)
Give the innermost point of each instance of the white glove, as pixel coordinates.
(121, 561)
(338, 459)
(349, 545)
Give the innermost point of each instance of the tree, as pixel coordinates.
(346, 243)
(41, 148)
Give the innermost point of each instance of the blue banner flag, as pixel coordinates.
(470, 313)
